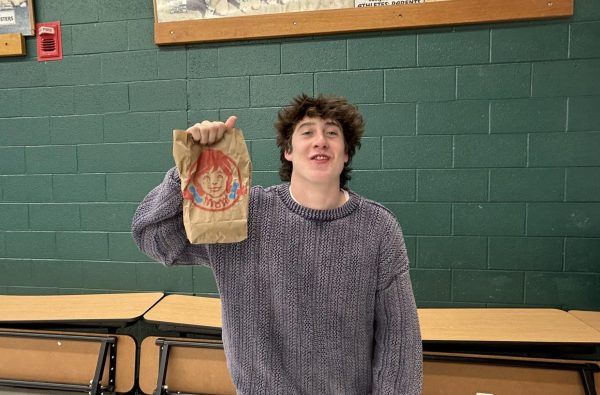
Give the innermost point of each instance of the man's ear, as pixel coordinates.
(287, 154)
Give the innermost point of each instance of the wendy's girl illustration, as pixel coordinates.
(215, 182)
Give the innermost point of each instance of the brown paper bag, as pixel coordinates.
(215, 183)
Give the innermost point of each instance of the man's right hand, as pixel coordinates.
(210, 132)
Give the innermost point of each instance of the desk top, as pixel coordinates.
(461, 324)
(185, 310)
(592, 318)
(97, 308)
(505, 325)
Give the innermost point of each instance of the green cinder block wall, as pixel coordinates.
(483, 140)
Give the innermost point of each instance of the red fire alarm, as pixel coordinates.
(49, 43)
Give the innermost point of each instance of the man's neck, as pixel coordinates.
(317, 196)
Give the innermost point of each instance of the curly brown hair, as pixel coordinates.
(327, 107)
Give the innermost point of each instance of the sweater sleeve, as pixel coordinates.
(157, 226)
(398, 351)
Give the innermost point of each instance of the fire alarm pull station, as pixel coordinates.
(49, 43)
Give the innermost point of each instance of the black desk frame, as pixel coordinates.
(204, 332)
(108, 346)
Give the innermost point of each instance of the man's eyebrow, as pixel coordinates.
(312, 123)
(306, 123)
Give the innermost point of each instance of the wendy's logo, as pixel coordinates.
(215, 182)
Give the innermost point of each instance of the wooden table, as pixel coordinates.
(479, 325)
(524, 337)
(505, 326)
(171, 362)
(184, 313)
(542, 338)
(70, 360)
(89, 309)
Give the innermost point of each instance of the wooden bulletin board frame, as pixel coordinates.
(421, 15)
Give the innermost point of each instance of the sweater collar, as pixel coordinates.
(283, 190)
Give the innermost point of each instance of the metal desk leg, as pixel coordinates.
(161, 388)
(95, 383)
(587, 376)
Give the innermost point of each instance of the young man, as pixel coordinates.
(318, 299)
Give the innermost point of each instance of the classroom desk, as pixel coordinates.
(486, 325)
(68, 360)
(532, 337)
(540, 338)
(187, 314)
(540, 329)
(505, 325)
(79, 310)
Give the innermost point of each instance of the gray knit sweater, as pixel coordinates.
(314, 301)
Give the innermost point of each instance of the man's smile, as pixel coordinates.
(320, 157)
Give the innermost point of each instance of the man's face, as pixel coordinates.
(317, 151)
(214, 183)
